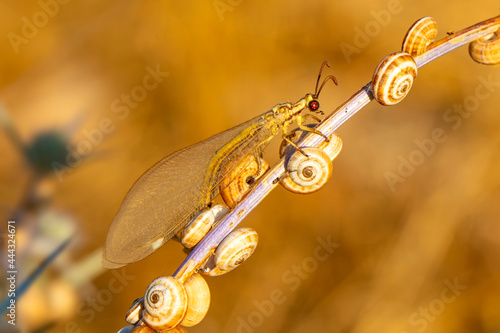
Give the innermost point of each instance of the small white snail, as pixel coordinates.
(201, 225)
(135, 312)
(486, 50)
(307, 174)
(420, 35)
(241, 178)
(393, 78)
(237, 247)
(165, 303)
(198, 296)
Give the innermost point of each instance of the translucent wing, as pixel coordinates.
(167, 196)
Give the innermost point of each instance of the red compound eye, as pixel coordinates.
(313, 105)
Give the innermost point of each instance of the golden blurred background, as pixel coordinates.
(412, 218)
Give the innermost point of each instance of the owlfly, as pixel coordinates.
(177, 188)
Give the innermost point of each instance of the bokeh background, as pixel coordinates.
(420, 255)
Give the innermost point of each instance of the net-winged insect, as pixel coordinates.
(177, 188)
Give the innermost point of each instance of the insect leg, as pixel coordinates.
(309, 115)
(285, 137)
(300, 123)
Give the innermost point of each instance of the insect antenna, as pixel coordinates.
(325, 63)
(318, 88)
(329, 77)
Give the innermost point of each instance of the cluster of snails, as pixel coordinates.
(394, 75)
(169, 304)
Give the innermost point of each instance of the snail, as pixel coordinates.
(486, 50)
(307, 174)
(165, 303)
(169, 303)
(420, 35)
(201, 225)
(393, 78)
(234, 249)
(135, 312)
(198, 297)
(239, 181)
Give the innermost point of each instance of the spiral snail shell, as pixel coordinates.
(486, 50)
(307, 174)
(237, 247)
(241, 178)
(198, 297)
(393, 78)
(420, 35)
(201, 225)
(165, 303)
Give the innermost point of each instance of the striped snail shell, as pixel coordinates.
(486, 50)
(307, 174)
(241, 179)
(135, 312)
(237, 247)
(198, 295)
(393, 78)
(420, 35)
(294, 181)
(201, 225)
(332, 148)
(165, 303)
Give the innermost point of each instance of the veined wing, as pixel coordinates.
(172, 192)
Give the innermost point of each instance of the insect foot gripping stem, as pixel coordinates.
(237, 247)
(308, 174)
